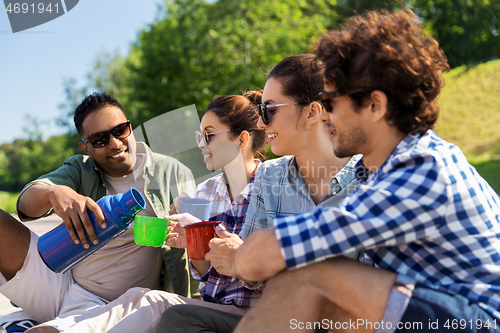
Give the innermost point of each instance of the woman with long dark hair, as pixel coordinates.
(310, 175)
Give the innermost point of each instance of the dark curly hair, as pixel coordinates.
(91, 103)
(240, 113)
(388, 52)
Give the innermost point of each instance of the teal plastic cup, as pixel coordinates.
(150, 231)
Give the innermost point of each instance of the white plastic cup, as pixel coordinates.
(199, 208)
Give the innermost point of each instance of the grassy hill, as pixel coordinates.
(470, 109)
(470, 116)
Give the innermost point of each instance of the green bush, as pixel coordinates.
(8, 202)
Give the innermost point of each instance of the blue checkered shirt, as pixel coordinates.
(426, 214)
(215, 287)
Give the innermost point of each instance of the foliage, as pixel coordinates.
(351, 7)
(469, 114)
(8, 202)
(196, 49)
(24, 160)
(200, 49)
(468, 30)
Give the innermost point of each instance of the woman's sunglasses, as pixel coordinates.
(266, 111)
(101, 139)
(204, 136)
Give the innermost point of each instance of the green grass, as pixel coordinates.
(489, 169)
(469, 115)
(8, 202)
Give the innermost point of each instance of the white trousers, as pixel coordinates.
(58, 301)
(138, 310)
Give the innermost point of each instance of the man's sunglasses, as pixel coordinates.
(204, 136)
(101, 139)
(266, 111)
(326, 97)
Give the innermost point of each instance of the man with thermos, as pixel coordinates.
(113, 163)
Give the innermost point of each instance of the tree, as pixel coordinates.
(467, 30)
(199, 49)
(351, 7)
(26, 159)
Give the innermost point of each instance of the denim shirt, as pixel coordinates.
(279, 190)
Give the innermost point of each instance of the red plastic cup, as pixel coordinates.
(198, 236)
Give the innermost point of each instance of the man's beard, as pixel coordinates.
(349, 142)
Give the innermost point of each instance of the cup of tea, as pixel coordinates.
(197, 207)
(150, 231)
(198, 236)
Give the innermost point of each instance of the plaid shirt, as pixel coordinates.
(426, 214)
(218, 288)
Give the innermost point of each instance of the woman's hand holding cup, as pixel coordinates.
(175, 207)
(177, 236)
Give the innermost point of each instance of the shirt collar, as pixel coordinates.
(94, 165)
(405, 144)
(362, 173)
(149, 163)
(293, 175)
(292, 168)
(221, 189)
(345, 176)
(247, 191)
